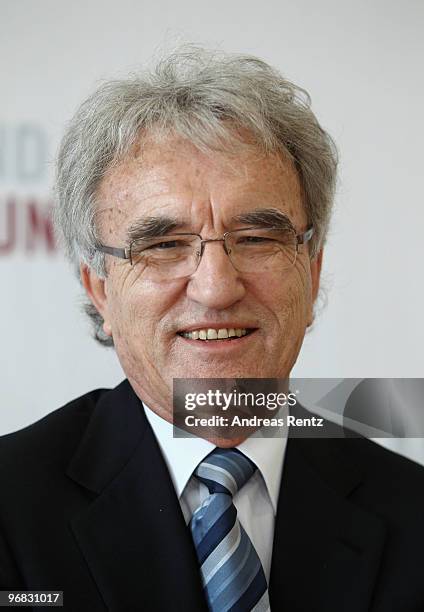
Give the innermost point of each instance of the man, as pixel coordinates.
(196, 201)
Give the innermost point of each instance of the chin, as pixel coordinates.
(227, 371)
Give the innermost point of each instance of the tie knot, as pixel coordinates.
(225, 470)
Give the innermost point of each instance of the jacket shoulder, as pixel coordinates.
(387, 479)
(389, 483)
(56, 434)
(387, 466)
(341, 445)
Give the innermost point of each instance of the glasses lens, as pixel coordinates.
(262, 250)
(167, 257)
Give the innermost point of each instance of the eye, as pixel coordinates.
(167, 244)
(159, 245)
(254, 239)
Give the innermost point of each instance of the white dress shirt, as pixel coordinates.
(256, 502)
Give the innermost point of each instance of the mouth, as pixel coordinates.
(217, 334)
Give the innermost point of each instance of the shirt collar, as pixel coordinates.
(183, 455)
(268, 456)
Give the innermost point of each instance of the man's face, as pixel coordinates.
(146, 318)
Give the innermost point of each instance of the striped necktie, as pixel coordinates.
(232, 574)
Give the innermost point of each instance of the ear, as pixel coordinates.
(315, 266)
(95, 289)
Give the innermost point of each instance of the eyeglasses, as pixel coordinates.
(250, 250)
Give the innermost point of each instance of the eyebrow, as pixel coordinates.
(150, 227)
(264, 217)
(158, 225)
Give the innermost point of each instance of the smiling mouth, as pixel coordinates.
(224, 333)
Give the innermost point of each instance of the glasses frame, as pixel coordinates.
(125, 253)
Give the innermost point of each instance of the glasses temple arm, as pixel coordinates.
(122, 253)
(306, 236)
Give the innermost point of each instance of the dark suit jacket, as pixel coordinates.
(87, 506)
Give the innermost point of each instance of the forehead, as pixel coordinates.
(174, 178)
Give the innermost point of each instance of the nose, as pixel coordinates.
(216, 283)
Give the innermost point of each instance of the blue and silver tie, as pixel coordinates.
(232, 574)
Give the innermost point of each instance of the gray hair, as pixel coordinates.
(201, 95)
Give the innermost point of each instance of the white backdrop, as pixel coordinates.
(361, 62)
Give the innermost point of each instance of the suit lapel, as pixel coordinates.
(326, 551)
(132, 535)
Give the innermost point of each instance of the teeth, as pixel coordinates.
(213, 334)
